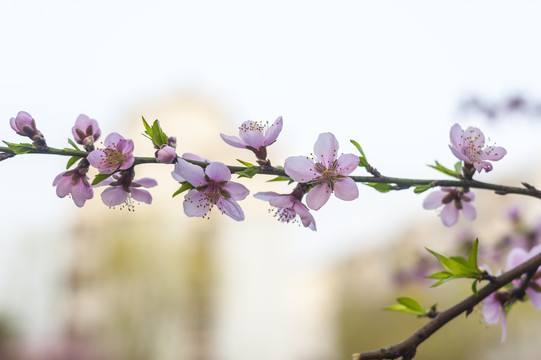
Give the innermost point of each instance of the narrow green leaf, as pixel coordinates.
(249, 172)
(72, 143)
(99, 178)
(410, 303)
(458, 167)
(421, 188)
(185, 186)
(245, 163)
(455, 266)
(148, 129)
(22, 148)
(279, 178)
(474, 287)
(358, 147)
(445, 170)
(72, 160)
(440, 275)
(382, 188)
(472, 257)
(157, 134)
(442, 281)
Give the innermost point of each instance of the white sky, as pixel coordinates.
(388, 74)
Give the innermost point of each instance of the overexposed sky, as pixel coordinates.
(388, 74)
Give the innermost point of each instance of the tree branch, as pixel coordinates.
(407, 348)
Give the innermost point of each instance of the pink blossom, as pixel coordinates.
(255, 136)
(25, 125)
(516, 257)
(288, 207)
(123, 189)
(325, 172)
(116, 156)
(452, 200)
(494, 311)
(187, 156)
(212, 187)
(75, 183)
(86, 130)
(166, 154)
(469, 146)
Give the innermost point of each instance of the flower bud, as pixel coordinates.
(166, 154)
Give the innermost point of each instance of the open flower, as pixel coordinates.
(494, 311)
(288, 207)
(469, 146)
(212, 187)
(75, 183)
(123, 189)
(116, 156)
(325, 171)
(453, 201)
(516, 257)
(86, 130)
(255, 136)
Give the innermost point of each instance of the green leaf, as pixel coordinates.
(245, 163)
(445, 170)
(99, 178)
(185, 186)
(22, 148)
(474, 287)
(249, 172)
(410, 303)
(72, 160)
(472, 257)
(454, 265)
(458, 167)
(280, 178)
(382, 188)
(73, 144)
(421, 188)
(158, 136)
(148, 129)
(440, 275)
(358, 148)
(442, 281)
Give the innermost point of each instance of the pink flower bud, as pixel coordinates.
(166, 154)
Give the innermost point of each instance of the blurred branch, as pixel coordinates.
(407, 348)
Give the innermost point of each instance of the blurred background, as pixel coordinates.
(100, 283)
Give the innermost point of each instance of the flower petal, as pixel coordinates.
(326, 148)
(456, 135)
(459, 154)
(273, 131)
(347, 163)
(80, 193)
(141, 195)
(113, 196)
(266, 195)
(191, 173)
(235, 190)
(473, 139)
(95, 158)
(516, 257)
(434, 199)
(146, 182)
(468, 210)
(493, 153)
(306, 218)
(230, 208)
(195, 157)
(251, 134)
(300, 168)
(283, 201)
(318, 196)
(233, 141)
(63, 187)
(128, 162)
(346, 189)
(112, 140)
(218, 172)
(196, 204)
(449, 214)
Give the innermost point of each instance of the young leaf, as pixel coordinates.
(73, 144)
(358, 148)
(421, 188)
(99, 178)
(458, 167)
(410, 303)
(440, 275)
(245, 163)
(409, 306)
(158, 136)
(382, 188)
(19, 148)
(445, 170)
(474, 287)
(455, 266)
(472, 257)
(249, 172)
(72, 160)
(185, 186)
(280, 178)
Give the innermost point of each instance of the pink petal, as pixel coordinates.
(455, 135)
(218, 172)
(113, 196)
(63, 187)
(468, 210)
(318, 196)
(266, 195)
(473, 137)
(127, 163)
(459, 154)
(306, 218)
(434, 199)
(190, 172)
(233, 141)
(346, 189)
(112, 140)
(516, 257)
(347, 163)
(300, 168)
(493, 153)
(449, 214)
(250, 136)
(492, 310)
(196, 203)
(235, 190)
(195, 157)
(80, 193)
(141, 195)
(146, 182)
(273, 131)
(125, 146)
(503, 324)
(58, 178)
(535, 297)
(95, 158)
(230, 208)
(326, 148)
(282, 201)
